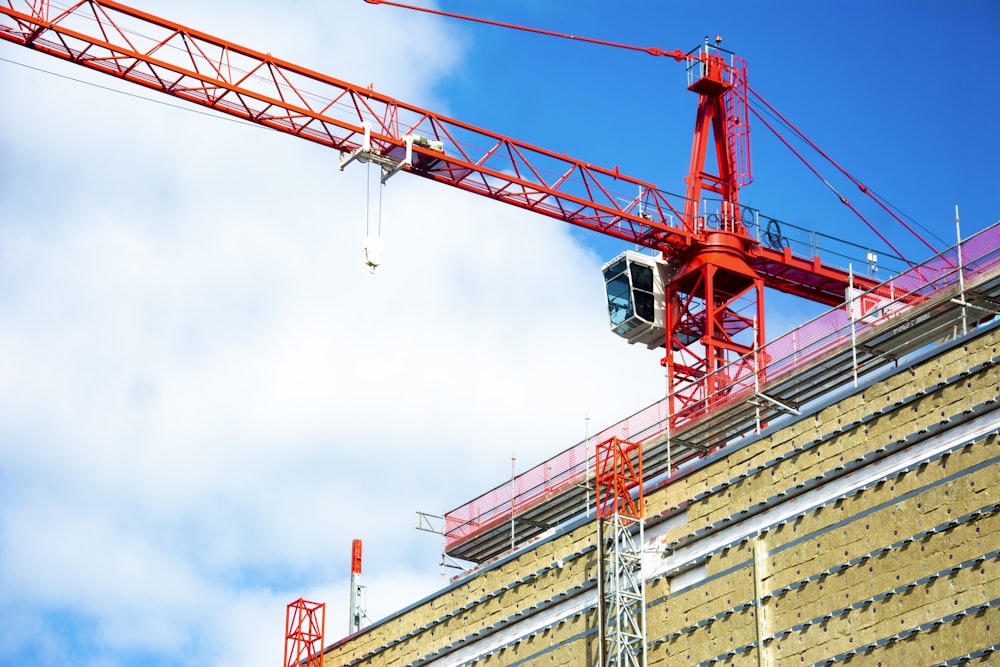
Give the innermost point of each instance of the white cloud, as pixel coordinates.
(204, 394)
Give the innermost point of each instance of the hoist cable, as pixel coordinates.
(368, 198)
(909, 217)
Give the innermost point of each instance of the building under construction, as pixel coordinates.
(843, 511)
(823, 497)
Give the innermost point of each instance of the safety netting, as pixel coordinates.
(790, 353)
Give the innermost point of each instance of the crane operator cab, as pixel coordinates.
(634, 284)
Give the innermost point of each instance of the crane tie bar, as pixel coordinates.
(676, 54)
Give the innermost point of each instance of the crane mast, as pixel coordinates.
(707, 350)
(709, 267)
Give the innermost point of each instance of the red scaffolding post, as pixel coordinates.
(619, 472)
(304, 625)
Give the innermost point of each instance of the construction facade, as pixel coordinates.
(825, 497)
(844, 512)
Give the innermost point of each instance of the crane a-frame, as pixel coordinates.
(692, 300)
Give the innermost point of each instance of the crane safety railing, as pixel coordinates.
(802, 241)
(779, 359)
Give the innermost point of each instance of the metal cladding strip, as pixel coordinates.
(531, 659)
(516, 631)
(969, 657)
(924, 627)
(898, 590)
(811, 484)
(884, 641)
(930, 447)
(856, 605)
(470, 605)
(899, 544)
(843, 428)
(972, 562)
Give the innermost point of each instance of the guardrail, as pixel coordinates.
(779, 359)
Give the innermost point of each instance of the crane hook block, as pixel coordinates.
(373, 252)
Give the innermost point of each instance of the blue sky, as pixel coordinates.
(204, 396)
(897, 92)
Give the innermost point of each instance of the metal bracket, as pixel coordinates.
(995, 310)
(533, 524)
(367, 153)
(988, 300)
(448, 561)
(876, 352)
(774, 401)
(430, 523)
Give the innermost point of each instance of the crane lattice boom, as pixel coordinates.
(715, 262)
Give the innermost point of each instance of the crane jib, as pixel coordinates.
(714, 249)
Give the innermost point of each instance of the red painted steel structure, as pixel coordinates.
(719, 266)
(705, 330)
(618, 477)
(305, 623)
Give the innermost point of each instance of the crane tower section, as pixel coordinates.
(719, 77)
(703, 303)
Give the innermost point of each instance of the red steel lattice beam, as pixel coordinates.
(168, 57)
(305, 623)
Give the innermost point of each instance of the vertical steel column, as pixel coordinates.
(622, 587)
(852, 309)
(961, 272)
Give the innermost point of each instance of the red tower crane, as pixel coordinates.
(692, 300)
(702, 298)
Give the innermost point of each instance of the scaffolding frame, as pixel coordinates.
(305, 624)
(950, 292)
(621, 584)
